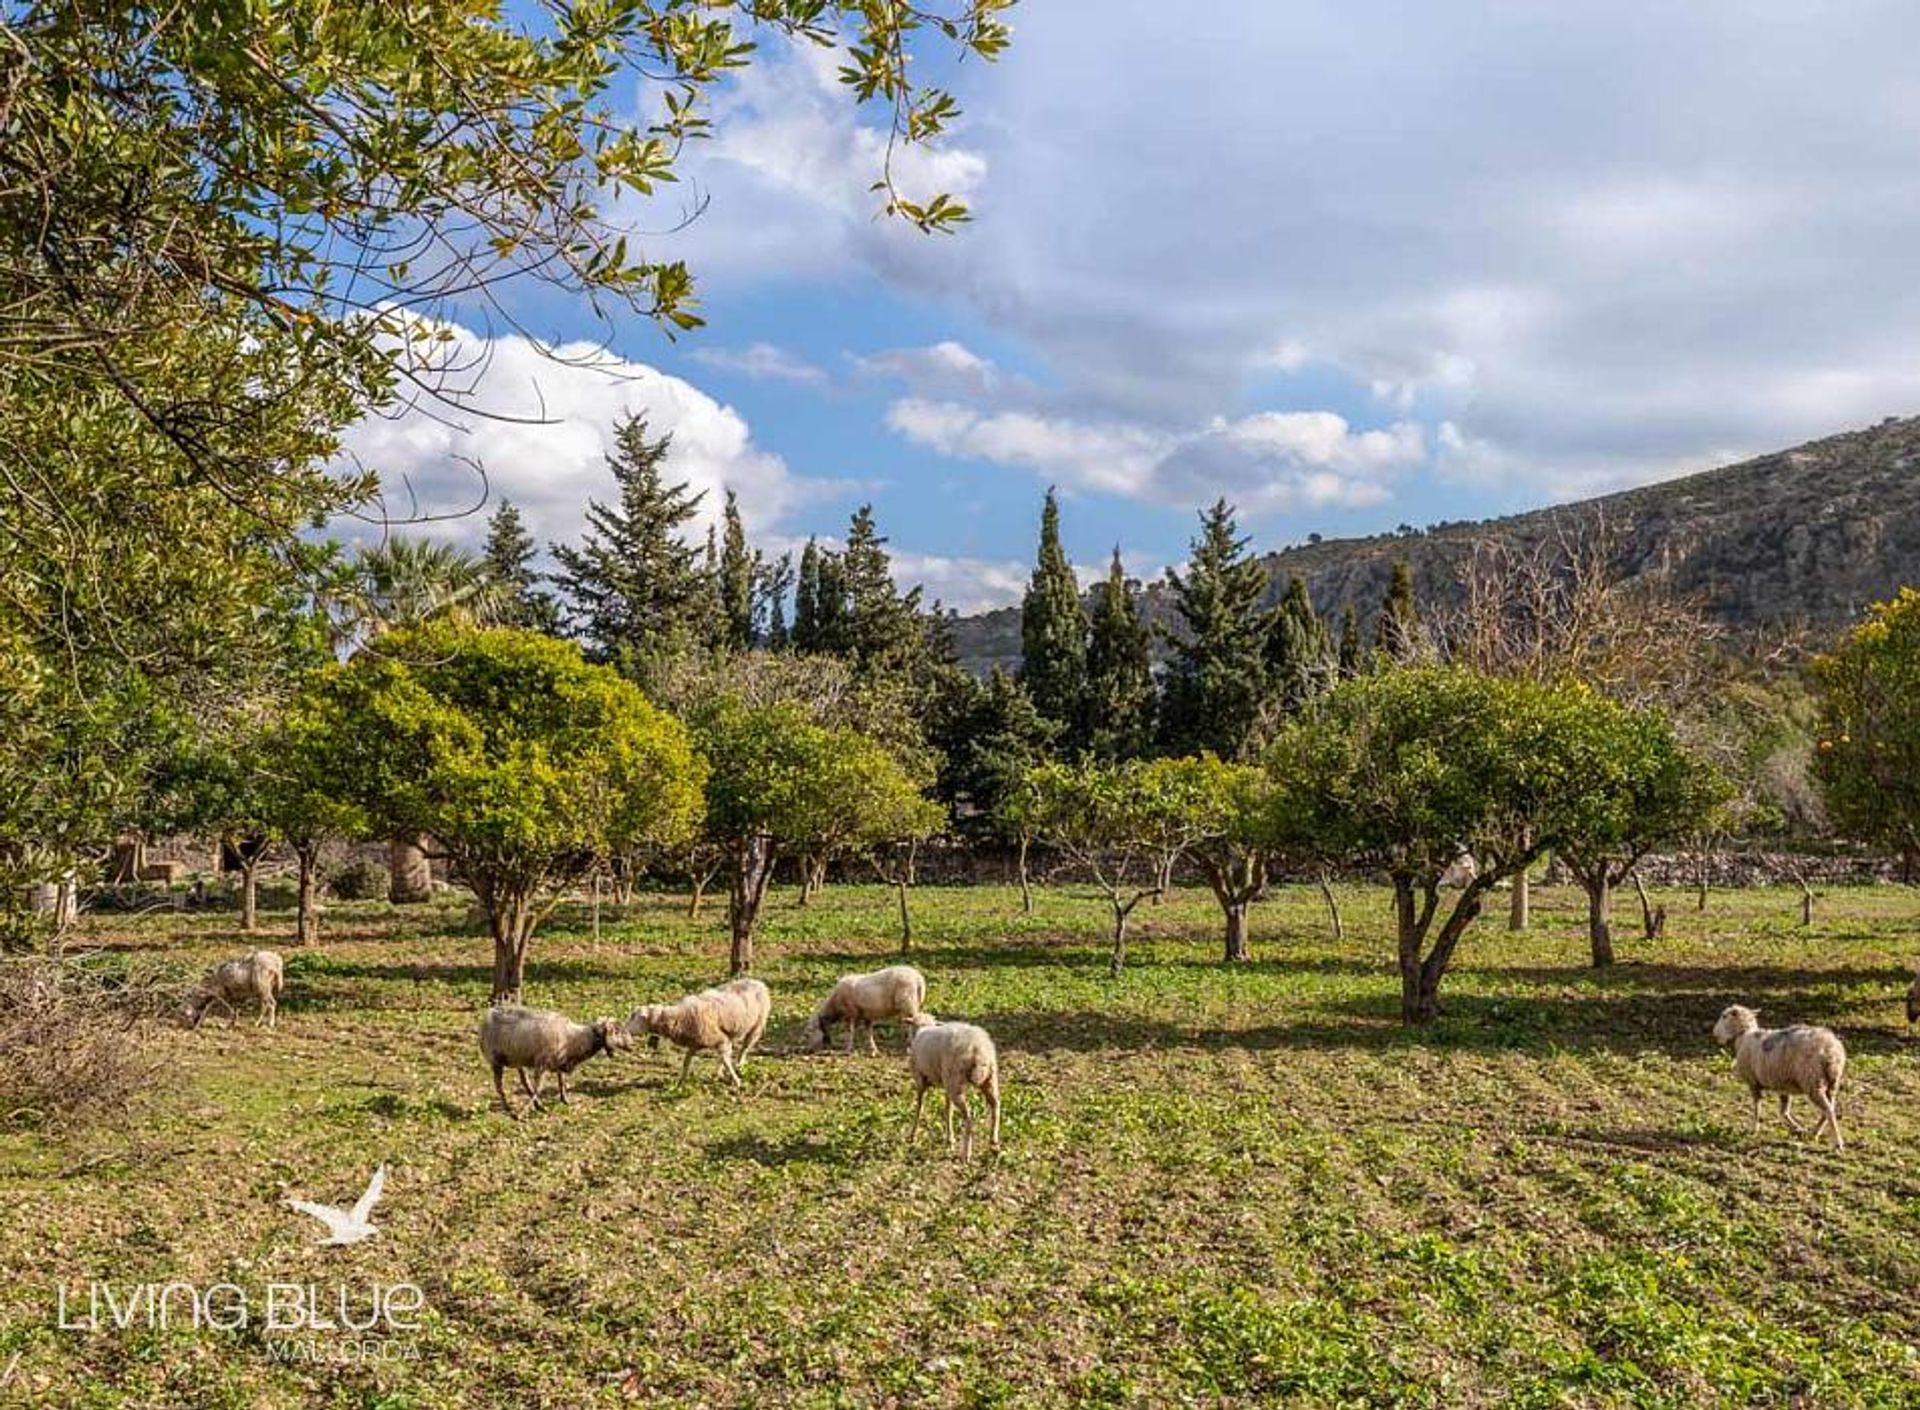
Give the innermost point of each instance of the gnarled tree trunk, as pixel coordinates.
(1599, 887)
(410, 874)
(753, 859)
(306, 925)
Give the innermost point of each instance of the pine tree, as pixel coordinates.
(1119, 696)
(1053, 633)
(881, 628)
(989, 735)
(739, 573)
(508, 554)
(1216, 671)
(1301, 664)
(1350, 660)
(635, 585)
(770, 589)
(1398, 634)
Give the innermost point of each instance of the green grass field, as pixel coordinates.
(1239, 1187)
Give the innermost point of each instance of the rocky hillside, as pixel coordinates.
(1802, 537)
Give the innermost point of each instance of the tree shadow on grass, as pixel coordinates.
(800, 1148)
(1678, 1024)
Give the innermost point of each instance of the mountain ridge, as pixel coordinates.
(1805, 537)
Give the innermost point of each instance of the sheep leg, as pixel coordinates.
(499, 1070)
(966, 1125)
(873, 1048)
(726, 1062)
(1829, 1119)
(564, 1100)
(919, 1104)
(1756, 1108)
(539, 1081)
(1786, 1114)
(853, 1031)
(686, 1066)
(992, 1093)
(949, 1120)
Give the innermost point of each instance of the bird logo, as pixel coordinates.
(347, 1226)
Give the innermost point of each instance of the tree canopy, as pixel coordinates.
(1868, 755)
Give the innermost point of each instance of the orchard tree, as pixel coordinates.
(1230, 810)
(1638, 790)
(528, 764)
(779, 783)
(1124, 825)
(1405, 768)
(1867, 760)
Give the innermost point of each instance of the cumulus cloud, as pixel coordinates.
(1267, 461)
(544, 437)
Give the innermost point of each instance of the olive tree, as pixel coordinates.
(1404, 769)
(1228, 807)
(1639, 790)
(527, 763)
(1867, 759)
(779, 784)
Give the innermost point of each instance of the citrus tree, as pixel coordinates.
(1867, 759)
(525, 762)
(1229, 809)
(1403, 769)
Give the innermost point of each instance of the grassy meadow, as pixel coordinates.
(1220, 1186)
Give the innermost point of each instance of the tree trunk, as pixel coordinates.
(906, 917)
(1520, 904)
(510, 919)
(1420, 978)
(410, 874)
(753, 859)
(1599, 917)
(1333, 908)
(700, 880)
(129, 860)
(306, 924)
(1806, 903)
(1119, 960)
(1026, 881)
(1706, 860)
(1237, 950)
(249, 894)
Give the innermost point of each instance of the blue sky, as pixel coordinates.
(1346, 264)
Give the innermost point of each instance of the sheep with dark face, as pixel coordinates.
(897, 992)
(542, 1041)
(257, 978)
(1803, 1059)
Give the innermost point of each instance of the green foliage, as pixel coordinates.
(1639, 789)
(1216, 676)
(1301, 660)
(1120, 690)
(636, 587)
(508, 555)
(1397, 634)
(740, 570)
(1053, 634)
(990, 737)
(1868, 756)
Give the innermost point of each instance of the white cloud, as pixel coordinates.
(544, 439)
(1264, 462)
(945, 369)
(764, 362)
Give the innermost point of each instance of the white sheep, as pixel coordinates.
(958, 1058)
(259, 976)
(542, 1041)
(1803, 1059)
(896, 992)
(722, 1021)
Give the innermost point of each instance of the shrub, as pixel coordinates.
(73, 1038)
(359, 880)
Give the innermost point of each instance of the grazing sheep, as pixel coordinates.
(722, 1021)
(896, 992)
(259, 976)
(957, 1058)
(542, 1041)
(1800, 1059)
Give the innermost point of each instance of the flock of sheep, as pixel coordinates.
(958, 1058)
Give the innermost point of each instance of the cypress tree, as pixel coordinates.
(880, 628)
(1350, 661)
(1119, 697)
(739, 571)
(1300, 655)
(1398, 634)
(774, 582)
(508, 555)
(635, 585)
(1053, 633)
(806, 600)
(1216, 670)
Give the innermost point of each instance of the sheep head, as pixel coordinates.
(613, 1034)
(1734, 1020)
(816, 1036)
